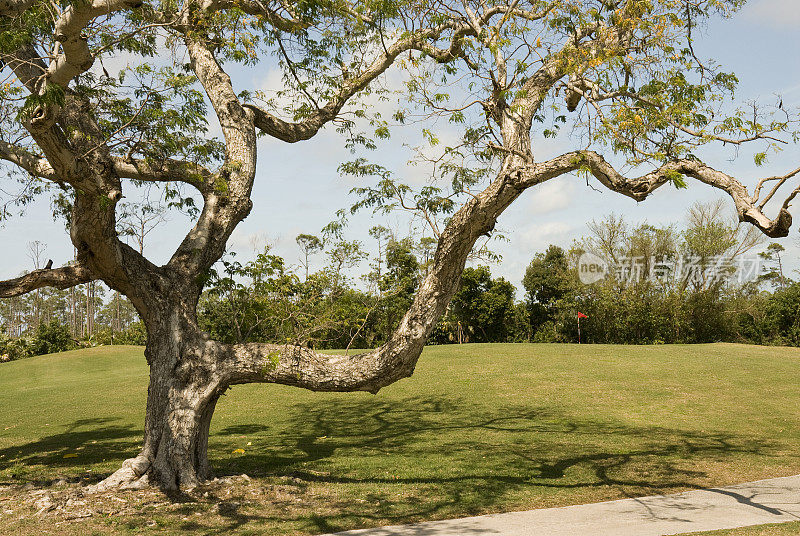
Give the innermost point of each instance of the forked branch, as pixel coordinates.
(293, 132)
(76, 58)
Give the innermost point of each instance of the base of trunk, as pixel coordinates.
(160, 471)
(175, 451)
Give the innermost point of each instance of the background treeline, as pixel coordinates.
(265, 299)
(51, 320)
(685, 287)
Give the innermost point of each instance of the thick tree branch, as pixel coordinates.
(293, 132)
(535, 88)
(76, 58)
(228, 202)
(781, 181)
(303, 367)
(167, 170)
(33, 164)
(60, 278)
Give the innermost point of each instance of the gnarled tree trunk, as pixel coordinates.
(185, 384)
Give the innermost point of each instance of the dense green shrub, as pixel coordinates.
(50, 338)
(782, 318)
(134, 334)
(11, 349)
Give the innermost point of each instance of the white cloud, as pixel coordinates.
(538, 236)
(271, 82)
(778, 13)
(552, 196)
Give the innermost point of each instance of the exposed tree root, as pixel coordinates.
(134, 474)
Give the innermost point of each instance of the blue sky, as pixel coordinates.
(298, 189)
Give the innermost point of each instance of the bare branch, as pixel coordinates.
(60, 278)
(35, 165)
(781, 181)
(639, 188)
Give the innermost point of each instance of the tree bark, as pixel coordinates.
(182, 395)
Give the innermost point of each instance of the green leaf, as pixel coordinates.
(53, 94)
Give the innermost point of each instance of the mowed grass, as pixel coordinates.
(477, 429)
(782, 529)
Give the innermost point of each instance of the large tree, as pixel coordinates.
(626, 67)
(547, 280)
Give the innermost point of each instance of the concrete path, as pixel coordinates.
(755, 503)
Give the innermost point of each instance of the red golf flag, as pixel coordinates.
(581, 315)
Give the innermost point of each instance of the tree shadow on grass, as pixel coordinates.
(82, 443)
(405, 460)
(243, 429)
(366, 462)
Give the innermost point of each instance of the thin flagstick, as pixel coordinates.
(579, 329)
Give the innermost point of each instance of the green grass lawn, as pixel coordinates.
(477, 429)
(782, 529)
